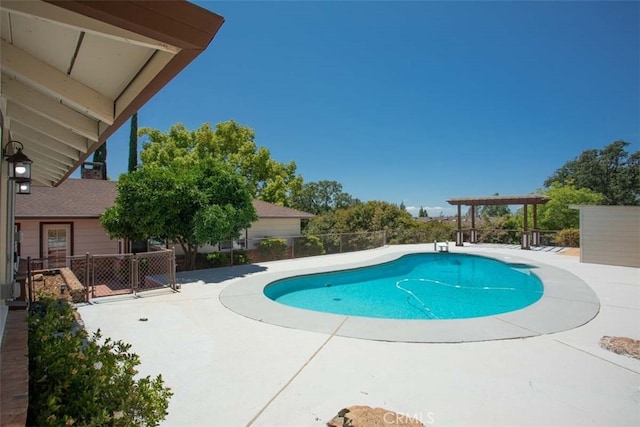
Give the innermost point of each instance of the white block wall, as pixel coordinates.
(610, 235)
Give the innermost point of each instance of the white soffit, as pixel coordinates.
(65, 79)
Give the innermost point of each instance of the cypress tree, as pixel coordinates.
(100, 156)
(133, 143)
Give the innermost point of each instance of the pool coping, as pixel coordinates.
(568, 302)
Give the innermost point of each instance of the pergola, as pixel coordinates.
(526, 200)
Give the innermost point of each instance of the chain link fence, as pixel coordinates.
(107, 275)
(288, 247)
(505, 236)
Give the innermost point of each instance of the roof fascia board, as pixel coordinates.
(50, 13)
(179, 23)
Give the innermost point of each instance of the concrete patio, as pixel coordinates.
(227, 369)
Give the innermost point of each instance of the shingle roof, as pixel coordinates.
(85, 198)
(268, 210)
(88, 198)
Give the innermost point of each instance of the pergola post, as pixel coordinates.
(535, 233)
(473, 238)
(459, 234)
(525, 230)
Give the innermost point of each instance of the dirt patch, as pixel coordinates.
(50, 284)
(571, 252)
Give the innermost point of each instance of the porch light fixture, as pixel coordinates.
(19, 163)
(23, 187)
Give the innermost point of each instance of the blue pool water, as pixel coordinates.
(416, 286)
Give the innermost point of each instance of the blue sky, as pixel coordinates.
(414, 102)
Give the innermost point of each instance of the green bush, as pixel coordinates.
(569, 237)
(75, 379)
(223, 259)
(218, 259)
(272, 249)
(240, 257)
(308, 246)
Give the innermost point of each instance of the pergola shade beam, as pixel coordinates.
(499, 200)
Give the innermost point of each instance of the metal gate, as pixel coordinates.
(121, 274)
(131, 273)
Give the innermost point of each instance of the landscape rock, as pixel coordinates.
(621, 345)
(366, 416)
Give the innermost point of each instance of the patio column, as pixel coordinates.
(525, 230)
(459, 234)
(535, 233)
(473, 238)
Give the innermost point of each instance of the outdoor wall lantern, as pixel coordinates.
(24, 188)
(19, 167)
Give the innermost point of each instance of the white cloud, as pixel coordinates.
(413, 210)
(432, 211)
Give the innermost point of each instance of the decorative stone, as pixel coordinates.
(366, 416)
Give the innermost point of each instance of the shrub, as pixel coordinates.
(569, 237)
(75, 379)
(308, 246)
(223, 259)
(240, 257)
(218, 259)
(272, 249)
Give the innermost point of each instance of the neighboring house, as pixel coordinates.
(65, 220)
(274, 221)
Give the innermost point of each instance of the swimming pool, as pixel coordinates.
(567, 301)
(415, 286)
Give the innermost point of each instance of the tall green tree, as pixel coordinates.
(322, 196)
(100, 156)
(368, 216)
(612, 172)
(556, 213)
(133, 143)
(422, 213)
(493, 211)
(202, 203)
(231, 143)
